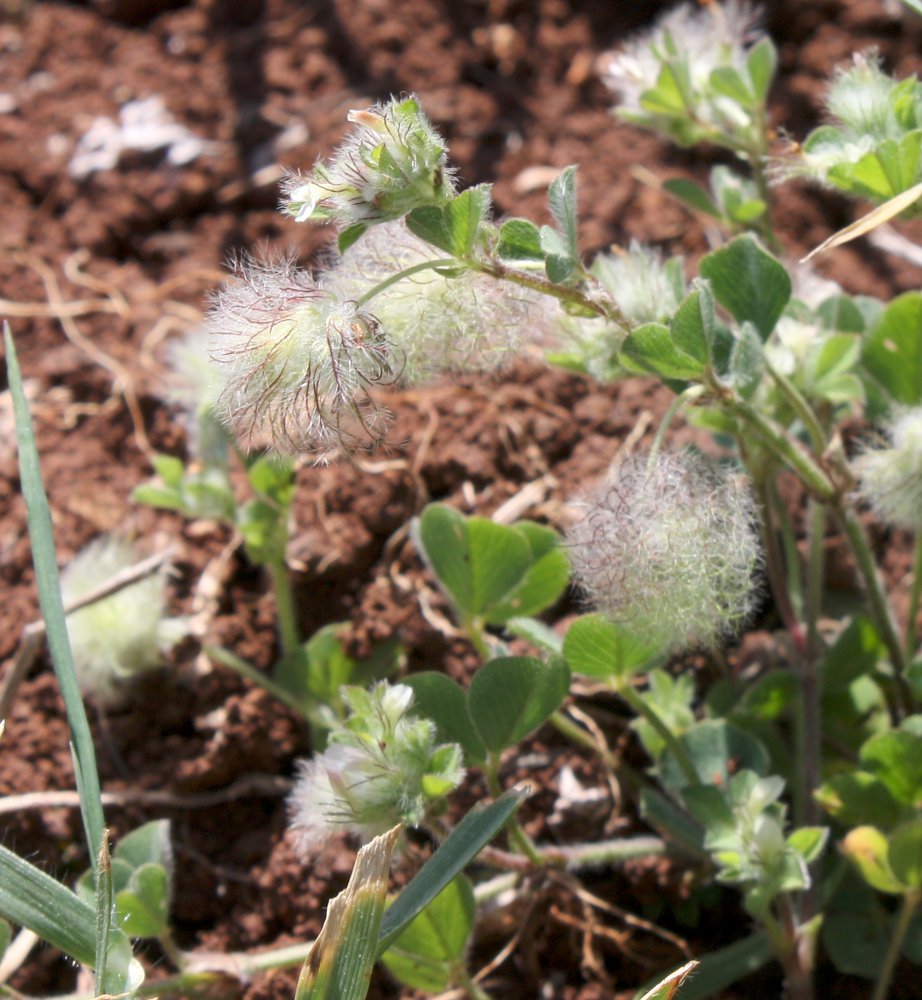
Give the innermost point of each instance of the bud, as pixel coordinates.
(437, 323)
(123, 635)
(391, 162)
(298, 364)
(382, 767)
(670, 549)
(891, 478)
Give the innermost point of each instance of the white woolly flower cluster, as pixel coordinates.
(123, 635)
(891, 478)
(437, 321)
(298, 363)
(670, 550)
(866, 107)
(382, 766)
(688, 43)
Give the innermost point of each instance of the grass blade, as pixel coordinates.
(477, 828)
(32, 899)
(340, 963)
(49, 592)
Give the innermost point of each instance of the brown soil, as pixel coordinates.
(512, 86)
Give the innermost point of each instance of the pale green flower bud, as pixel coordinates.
(670, 550)
(382, 766)
(123, 635)
(298, 364)
(891, 478)
(436, 323)
(391, 162)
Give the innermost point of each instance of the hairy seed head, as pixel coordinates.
(669, 550)
(298, 364)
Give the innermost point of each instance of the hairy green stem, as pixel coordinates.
(810, 715)
(462, 977)
(775, 568)
(787, 448)
(606, 308)
(518, 838)
(801, 407)
(642, 708)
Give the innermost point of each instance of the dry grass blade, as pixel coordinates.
(876, 217)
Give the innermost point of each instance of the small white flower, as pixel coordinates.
(123, 635)
(298, 364)
(670, 550)
(436, 323)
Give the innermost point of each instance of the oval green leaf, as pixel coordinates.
(512, 695)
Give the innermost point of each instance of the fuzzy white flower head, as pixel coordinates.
(382, 766)
(646, 288)
(696, 40)
(391, 162)
(860, 98)
(867, 107)
(891, 478)
(670, 550)
(467, 322)
(123, 635)
(298, 364)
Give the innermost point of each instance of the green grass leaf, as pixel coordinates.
(467, 839)
(49, 592)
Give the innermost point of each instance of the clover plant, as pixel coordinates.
(749, 775)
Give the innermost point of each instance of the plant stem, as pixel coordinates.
(915, 597)
(579, 736)
(407, 272)
(518, 838)
(877, 598)
(692, 393)
(787, 448)
(233, 662)
(774, 567)
(641, 707)
(289, 636)
(810, 716)
(606, 308)
(904, 916)
(462, 977)
(801, 407)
